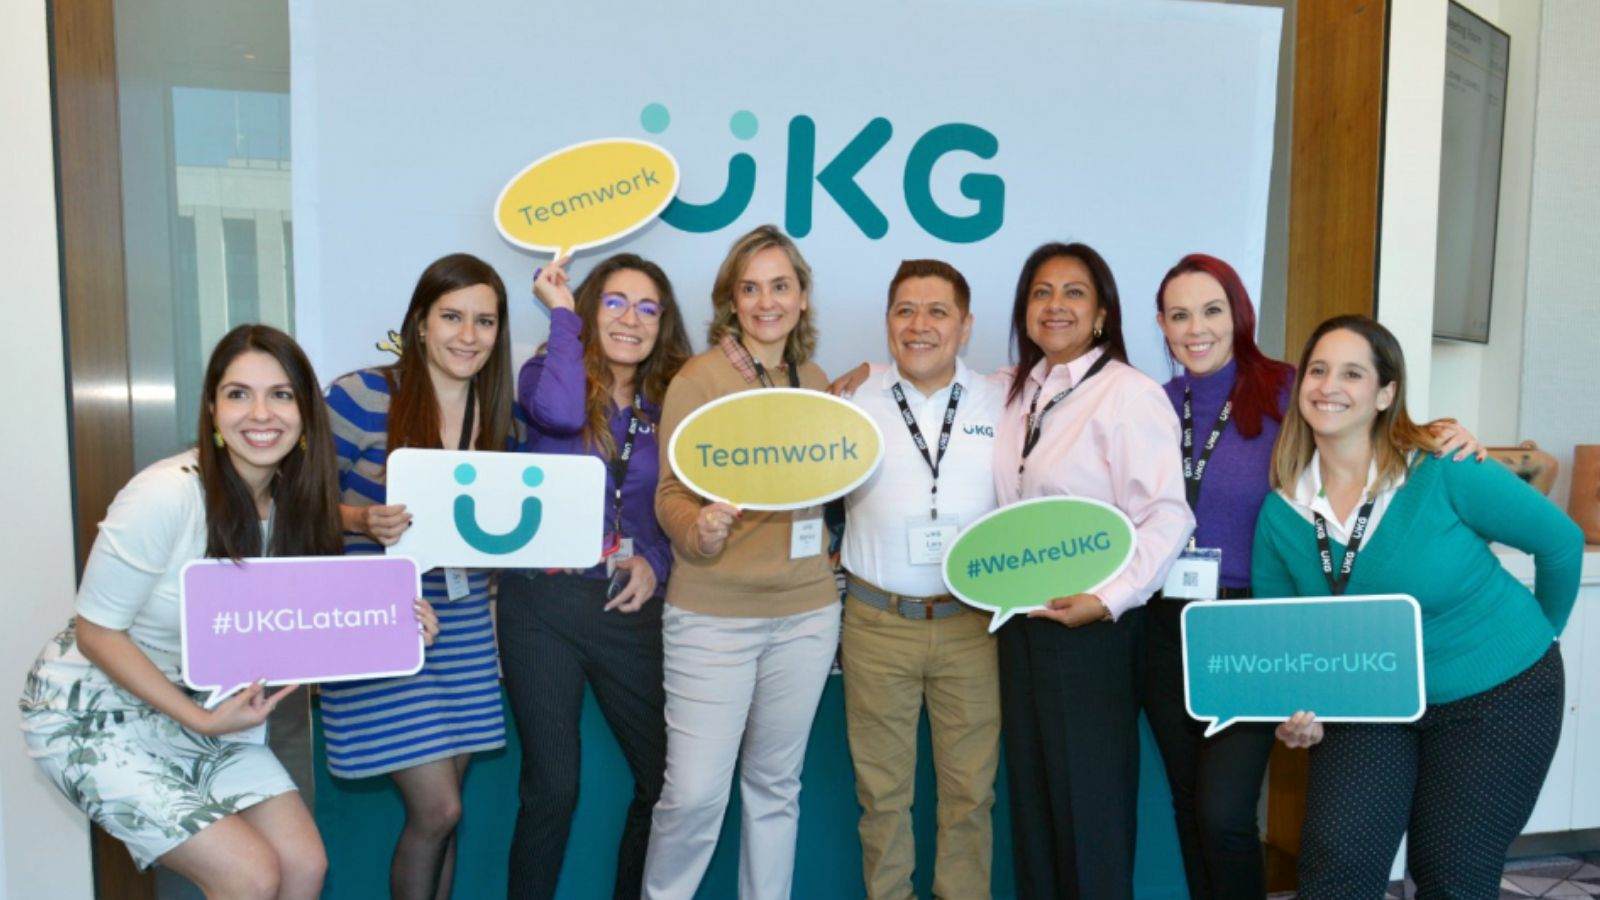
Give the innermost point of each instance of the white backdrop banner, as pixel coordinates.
(871, 131)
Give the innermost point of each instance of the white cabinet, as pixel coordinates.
(1570, 799)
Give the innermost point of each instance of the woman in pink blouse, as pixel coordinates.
(1081, 422)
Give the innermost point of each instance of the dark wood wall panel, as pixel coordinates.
(1335, 166)
(1334, 177)
(89, 166)
(90, 169)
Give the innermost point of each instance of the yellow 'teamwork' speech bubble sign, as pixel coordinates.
(586, 194)
(776, 449)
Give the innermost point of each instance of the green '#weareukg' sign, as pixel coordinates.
(1347, 659)
(1022, 556)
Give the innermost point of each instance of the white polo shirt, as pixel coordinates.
(880, 513)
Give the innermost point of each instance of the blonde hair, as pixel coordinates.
(802, 341)
(1394, 435)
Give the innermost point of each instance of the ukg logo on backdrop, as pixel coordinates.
(804, 173)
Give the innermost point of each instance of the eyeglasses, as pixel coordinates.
(617, 304)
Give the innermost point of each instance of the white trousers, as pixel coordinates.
(733, 681)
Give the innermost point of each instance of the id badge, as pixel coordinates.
(805, 533)
(1194, 575)
(624, 551)
(926, 540)
(455, 583)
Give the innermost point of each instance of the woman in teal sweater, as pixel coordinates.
(1361, 505)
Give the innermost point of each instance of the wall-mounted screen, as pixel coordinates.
(1476, 57)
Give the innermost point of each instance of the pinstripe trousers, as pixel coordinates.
(555, 637)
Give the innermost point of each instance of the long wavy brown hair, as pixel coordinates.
(305, 487)
(413, 406)
(1394, 434)
(668, 355)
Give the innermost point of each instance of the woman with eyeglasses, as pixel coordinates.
(595, 389)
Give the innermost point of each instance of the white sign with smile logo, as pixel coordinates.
(484, 510)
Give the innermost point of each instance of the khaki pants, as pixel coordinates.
(891, 666)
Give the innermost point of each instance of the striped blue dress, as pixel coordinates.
(452, 706)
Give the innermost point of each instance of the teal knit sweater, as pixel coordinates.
(1480, 626)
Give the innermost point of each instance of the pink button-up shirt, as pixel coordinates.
(1114, 439)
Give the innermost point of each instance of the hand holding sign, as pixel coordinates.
(291, 621)
(586, 195)
(1023, 556)
(1348, 659)
(774, 449)
(551, 287)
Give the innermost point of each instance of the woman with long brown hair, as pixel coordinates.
(1362, 505)
(450, 389)
(596, 390)
(105, 711)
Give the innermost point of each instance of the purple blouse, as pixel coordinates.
(550, 390)
(1235, 482)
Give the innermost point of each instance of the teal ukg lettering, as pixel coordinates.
(1297, 663)
(837, 177)
(592, 197)
(778, 454)
(1066, 548)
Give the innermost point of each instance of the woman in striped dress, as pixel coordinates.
(451, 388)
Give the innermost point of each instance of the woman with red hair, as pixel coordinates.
(1230, 399)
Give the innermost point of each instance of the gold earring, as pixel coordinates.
(216, 438)
(1097, 332)
(303, 444)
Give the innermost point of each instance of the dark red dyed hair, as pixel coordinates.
(1259, 381)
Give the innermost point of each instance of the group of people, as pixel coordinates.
(707, 632)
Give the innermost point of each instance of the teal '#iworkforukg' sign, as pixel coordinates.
(1347, 659)
(1022, 556)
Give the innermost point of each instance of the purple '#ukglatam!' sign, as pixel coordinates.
(292, 621)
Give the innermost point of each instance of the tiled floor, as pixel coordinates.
(1552, 876)
(1564, 877)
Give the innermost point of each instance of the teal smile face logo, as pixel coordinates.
(838, 179)
(480, 538)
(476, 509)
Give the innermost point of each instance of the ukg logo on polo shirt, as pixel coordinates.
(804, 172)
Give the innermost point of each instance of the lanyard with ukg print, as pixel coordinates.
(922, 443)
(619, 466)
(1194, 470)
(1337, 582)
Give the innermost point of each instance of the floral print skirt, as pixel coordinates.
(145, 779)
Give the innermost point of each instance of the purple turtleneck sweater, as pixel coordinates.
(550, 389)
(1235, 483)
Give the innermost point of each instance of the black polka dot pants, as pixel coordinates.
(1462, 781)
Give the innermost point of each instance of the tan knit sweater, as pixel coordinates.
(753, 576)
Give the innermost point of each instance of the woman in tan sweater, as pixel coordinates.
(752, 617)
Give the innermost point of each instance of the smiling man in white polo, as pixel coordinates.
(906, 641)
